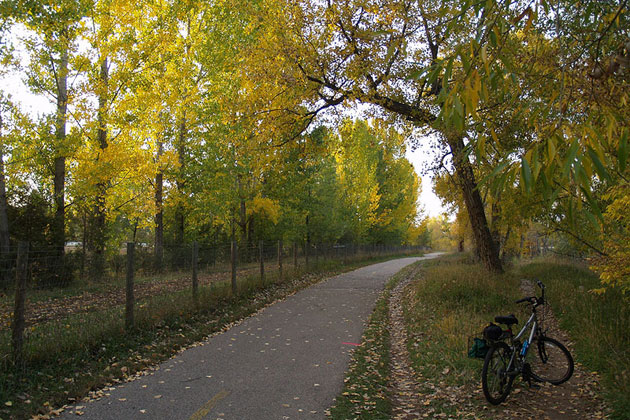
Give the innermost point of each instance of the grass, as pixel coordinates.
(599, 325)
(66, 359)
(454, 299)
(451, 301)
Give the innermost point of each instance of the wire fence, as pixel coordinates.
(40, 287)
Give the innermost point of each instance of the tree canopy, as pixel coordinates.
(204, 120)
(172, 125)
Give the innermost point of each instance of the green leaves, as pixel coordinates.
(447, 74)
(526, 175)
(622, 152)
(570, 159)
(599, 166)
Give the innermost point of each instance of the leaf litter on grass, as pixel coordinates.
(579, 398)
(88, 301)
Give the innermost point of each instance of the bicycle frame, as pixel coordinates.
(512, 368)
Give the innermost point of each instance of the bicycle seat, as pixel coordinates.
(507, 320)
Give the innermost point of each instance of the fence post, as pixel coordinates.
(295, 264)
(234, 250)
(280, 259)
(20, 302)
(195, 282)
(262, 262)
(129, 295)
(306, 249)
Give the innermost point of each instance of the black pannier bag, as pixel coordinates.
(492, 332)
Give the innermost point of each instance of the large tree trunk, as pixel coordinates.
(4, 220)
(308, 229)
(504, 240)
(180, 218)
(251, 225)
(180, 253)
(58, 227)
(486, 248)
(308, 220)
(98, 234)
(242, 223)
(159, 214)
(84, 241)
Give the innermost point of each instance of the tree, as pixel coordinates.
(378, 184)
(563, 96)
(16, 131)
(184, 119)
(55, 26)
(4, 205)
(390, 55)
(440, 233)
(5, 55)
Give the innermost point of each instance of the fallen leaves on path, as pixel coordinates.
(404, 385)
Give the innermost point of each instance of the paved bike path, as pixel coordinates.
(286, 362)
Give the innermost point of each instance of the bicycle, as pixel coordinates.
(507, 356)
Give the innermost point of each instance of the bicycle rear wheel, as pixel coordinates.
(550, 361)
(495, 381)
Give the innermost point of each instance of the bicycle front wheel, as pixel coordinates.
(550, 361)
(495, 381)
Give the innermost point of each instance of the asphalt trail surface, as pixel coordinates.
(286, 362)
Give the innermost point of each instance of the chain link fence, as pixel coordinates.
(46, 289)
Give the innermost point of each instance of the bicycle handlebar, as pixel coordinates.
(542, 287)
(529, 299)
(533, 299)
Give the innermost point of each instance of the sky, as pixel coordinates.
(429, 202)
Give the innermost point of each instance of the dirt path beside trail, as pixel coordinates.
(404, 384)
